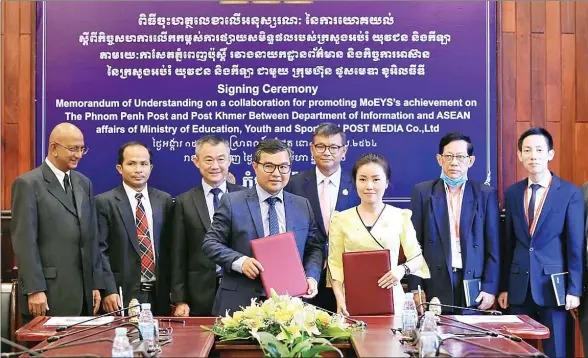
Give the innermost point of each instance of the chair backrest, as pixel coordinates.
(5, 313)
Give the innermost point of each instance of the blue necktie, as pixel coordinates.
(215, 199)
(274, 227)
(531, 209)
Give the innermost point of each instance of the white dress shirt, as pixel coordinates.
(455, 201)
(58, 173)
(148, 213)
(209, 197)
(544, 183)
(332, 189)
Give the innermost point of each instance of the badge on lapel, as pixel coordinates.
(345, 192)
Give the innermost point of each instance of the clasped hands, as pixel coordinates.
(252, 268)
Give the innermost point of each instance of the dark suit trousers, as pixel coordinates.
(556, 319)
(583, 316)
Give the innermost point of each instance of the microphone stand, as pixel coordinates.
(63, 328)
(37, 352)
(55, 338)
(482, 329)
(18, 346)
(490, 312)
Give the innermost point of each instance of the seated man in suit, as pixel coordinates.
(328, 188)
(133, 222)
(544, 235)
(195, 279)
(54, 233)
(261, 211)
(457, 221)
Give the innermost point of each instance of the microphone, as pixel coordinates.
(439, 305)
(37, 352)
(63, 328)
(18, 346)
(357, 322)
(55, 338)
(476, 328)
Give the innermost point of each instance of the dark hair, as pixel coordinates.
(209, 139)
(271, 146)
(329, 129)
(536, 131)
(372, 158)
(121, 151)
(455, 136)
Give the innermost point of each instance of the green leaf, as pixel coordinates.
(265, 340)
(315, 350)
(301, 347)
(335, 333)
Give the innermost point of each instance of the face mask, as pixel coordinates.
(455, 183)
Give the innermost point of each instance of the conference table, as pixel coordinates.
(189, 339)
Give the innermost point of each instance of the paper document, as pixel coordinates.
(66, 321)
(488, 319)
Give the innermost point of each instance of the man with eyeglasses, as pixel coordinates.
(456, 222)
(54, 233)
(195, 279)
(328, 188)
(263, 210)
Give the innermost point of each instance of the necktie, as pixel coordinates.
(274, 227)
(325, 204)
(68, 190)
(215, 199)
(147, 257)
(531, 209)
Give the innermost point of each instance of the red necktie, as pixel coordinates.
(147, 257)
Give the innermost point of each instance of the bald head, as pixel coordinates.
(66, 146)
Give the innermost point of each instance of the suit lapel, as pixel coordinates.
(310, 187)
(346, 186)
(255, 210)
(78, 192)
(200, 203)
(287, 206)
(467, 214)
(439, 207)
(519, 208)
(55, 188)
(126, 215)
(548, 203)
(157, 212)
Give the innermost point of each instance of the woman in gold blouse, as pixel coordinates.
(373, 225)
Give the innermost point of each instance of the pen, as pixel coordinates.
(122, 313)
(420, 297)
(172, 320)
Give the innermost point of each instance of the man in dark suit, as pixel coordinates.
(328, 188)
(134, 224)
(544, 235)
(456, 221)
(195, 278)
(583, 307)
(258, 212)
(54, 232)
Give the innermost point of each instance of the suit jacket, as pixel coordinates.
(55, 243)
(193, 274)
(479, 239)
(236, 222)
(585, 190)
(557, 244)
(304, 184)
(119, 245)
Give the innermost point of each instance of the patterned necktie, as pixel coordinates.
(147, 257)
(274, 227)
(325, 204)
(215, 199)
(531, 209)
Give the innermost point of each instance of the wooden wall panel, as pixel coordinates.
(582, 61)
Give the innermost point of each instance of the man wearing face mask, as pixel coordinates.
(458, 218)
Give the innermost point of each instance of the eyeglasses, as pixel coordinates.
(270, 168)
(334, 149)
(460, 158)
(74, 150)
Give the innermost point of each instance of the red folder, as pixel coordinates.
(362, 270)
(282, 268)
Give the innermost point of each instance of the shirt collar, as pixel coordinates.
(262, 194)
(335, 178)
(132, 192)
(207, 187)
(58, 173)
(543, 182)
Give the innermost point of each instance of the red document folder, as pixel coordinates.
(282, 268)
(362, 270)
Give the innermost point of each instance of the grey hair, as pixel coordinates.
(209, 139)
(272, 146)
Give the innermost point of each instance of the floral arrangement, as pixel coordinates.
(285, 326)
